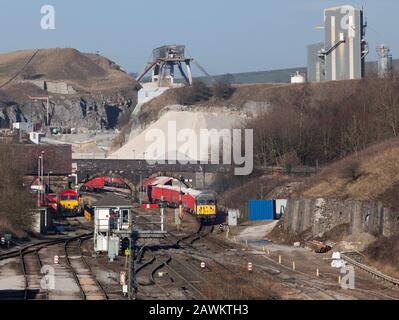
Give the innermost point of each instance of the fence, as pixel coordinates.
(372, 271)
(299, 171)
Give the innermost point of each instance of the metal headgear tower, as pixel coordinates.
(165, 60)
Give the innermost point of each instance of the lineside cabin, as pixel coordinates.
(111, 215)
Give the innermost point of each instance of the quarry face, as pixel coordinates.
(85, 91)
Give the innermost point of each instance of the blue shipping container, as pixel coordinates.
(261, 210)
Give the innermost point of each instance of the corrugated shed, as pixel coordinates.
(261, 210)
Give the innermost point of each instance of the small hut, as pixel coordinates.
(111, 214)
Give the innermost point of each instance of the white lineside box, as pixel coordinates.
(281, 204)
(23, 126)
(102, 220)
(233, 215)
(42, 220)
(101, 243)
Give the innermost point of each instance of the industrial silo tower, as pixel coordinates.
(345, 46)
(385, 62)
(342, 57)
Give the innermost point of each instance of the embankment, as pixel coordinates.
(319, 216)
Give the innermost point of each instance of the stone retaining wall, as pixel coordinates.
(322, 215)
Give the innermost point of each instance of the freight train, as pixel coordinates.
(68, 203)
(172, 192)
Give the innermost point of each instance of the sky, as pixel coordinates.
(225, 36)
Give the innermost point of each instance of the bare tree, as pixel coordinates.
(15, 200)
(327, 121)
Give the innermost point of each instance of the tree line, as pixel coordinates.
(318, 123)
(16, 202)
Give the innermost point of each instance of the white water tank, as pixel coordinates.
(298, 78)
(36, 137)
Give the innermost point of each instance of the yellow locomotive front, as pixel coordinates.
(206, 206)
(69, 203)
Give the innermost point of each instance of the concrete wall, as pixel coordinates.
(322, 215)
(52, 87)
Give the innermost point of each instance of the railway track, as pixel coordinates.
(30, 248)
(315, 288)
(90, 288)
(181, 269)
(165, 292)
(183, 273)
(178, 278)
(32, 272)
(31, 267)
(178, 272)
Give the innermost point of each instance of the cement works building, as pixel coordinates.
(342, 54)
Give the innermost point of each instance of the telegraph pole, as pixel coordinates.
(141, 189)
(38, 178)
(134, 233)
(42, 176)
(132, 286)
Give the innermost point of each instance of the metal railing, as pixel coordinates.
(370, 270)
(299, 171)
(89, 156)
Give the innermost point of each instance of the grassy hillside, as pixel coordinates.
(372, 174)
(241, 95)
(86, 71)
(277, 76)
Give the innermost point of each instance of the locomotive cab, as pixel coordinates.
(206, 205)
(69, 203)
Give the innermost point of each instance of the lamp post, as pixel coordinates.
(180, 198)
(48, 176)
(39, 181)
(141, 189)
(42, 176)
(40, 173)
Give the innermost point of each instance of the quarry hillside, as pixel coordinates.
(232, 112)
(245, 102)
(372, 174)
(244, 94)
(86, 90)
(85, 71)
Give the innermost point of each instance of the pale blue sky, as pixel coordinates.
(224, 35)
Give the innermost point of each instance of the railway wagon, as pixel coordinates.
(199, 203)
(167, 194)
(69, 203)
(188, 202)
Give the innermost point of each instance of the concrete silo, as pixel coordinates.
(345, 47)
(342, 56)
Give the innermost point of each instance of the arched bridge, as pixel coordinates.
(136, 170)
